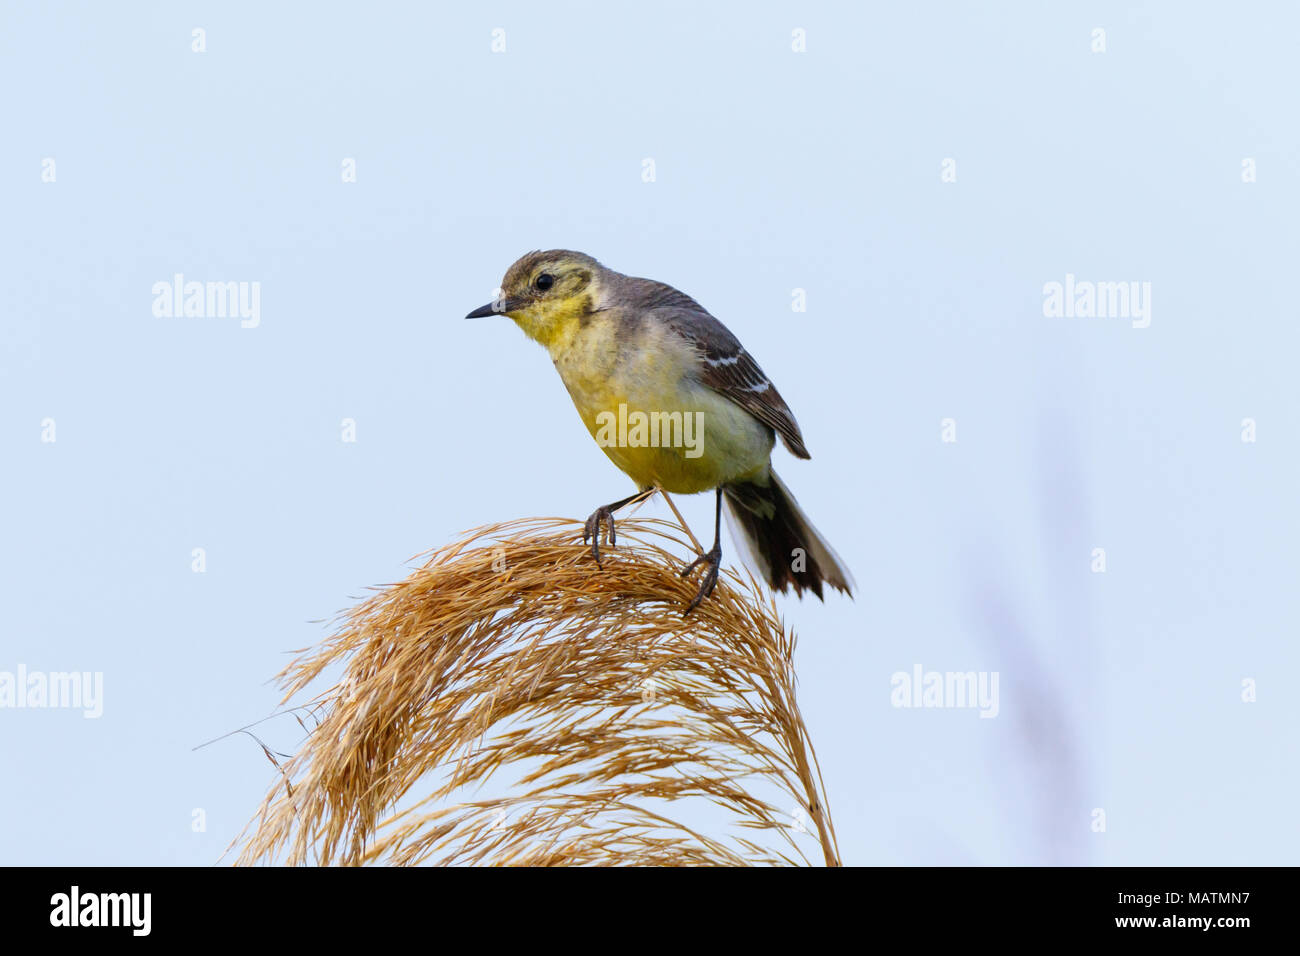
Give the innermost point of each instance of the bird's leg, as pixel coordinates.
(712, 559)
(604, 513)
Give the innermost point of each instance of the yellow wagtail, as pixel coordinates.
(676, 403)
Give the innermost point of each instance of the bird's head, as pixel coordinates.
(547, 293)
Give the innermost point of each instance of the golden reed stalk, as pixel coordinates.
(511, 651)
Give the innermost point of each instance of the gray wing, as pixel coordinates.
(729, 370)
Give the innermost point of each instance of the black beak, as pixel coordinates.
(495, 307)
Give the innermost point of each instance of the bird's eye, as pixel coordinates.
(545, 281)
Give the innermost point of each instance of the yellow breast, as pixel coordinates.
(638, 399)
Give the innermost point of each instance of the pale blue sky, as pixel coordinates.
(774, 171)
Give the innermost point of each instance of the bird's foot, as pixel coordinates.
(712, 560)
(592, 530)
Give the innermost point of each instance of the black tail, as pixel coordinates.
(782, 544)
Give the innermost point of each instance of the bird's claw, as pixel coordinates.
(712, 559)
(592, 530)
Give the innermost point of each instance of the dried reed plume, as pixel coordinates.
(607, 707)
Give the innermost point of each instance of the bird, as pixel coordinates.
(677, 404)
